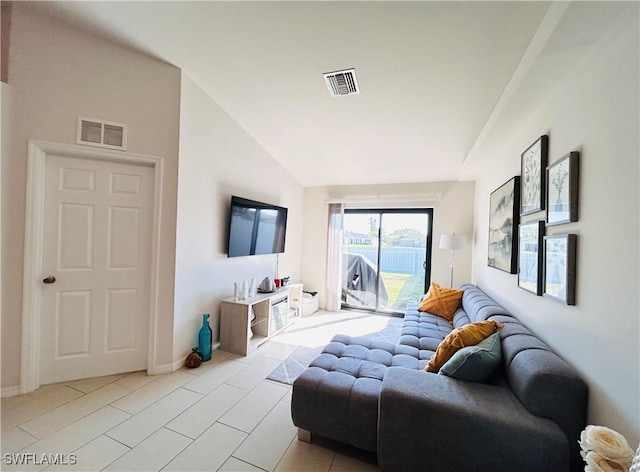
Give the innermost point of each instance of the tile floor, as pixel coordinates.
(221, 416)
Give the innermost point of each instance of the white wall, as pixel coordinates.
(219, 159)
(590, 104)
(56, 74)
(453, 212)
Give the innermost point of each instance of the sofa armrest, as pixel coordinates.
(437, 423)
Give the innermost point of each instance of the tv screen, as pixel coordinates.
(255, 228)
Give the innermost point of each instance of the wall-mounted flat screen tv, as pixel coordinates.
(255, 228)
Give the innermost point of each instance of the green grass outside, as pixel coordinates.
(402, 289)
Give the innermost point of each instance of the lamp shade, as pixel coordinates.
(452, 241)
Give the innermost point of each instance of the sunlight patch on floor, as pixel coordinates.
(318, 329)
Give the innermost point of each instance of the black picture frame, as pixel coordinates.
(504, 216)
(533, 162)
(560, 252)
(530, 256)
(562, 189)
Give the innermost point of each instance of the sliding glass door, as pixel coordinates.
(386, 258)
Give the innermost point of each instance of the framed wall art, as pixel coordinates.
(504, 209)
(562, 190)
(560, 267)
(532, 165)
(530, 239)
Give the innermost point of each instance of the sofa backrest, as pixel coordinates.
(476, 306)
(544, 383)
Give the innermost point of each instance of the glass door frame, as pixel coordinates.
(428, 247)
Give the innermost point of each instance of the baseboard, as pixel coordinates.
(176, 365)
(161, 369)
(10, 391)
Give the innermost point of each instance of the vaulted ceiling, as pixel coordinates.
(433, 76)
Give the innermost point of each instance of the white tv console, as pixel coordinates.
(273, 312)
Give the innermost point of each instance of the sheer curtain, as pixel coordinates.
(334, 257)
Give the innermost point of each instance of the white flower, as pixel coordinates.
(597, 463)
(635, 464)
(607, 444)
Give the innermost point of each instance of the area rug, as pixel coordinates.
(295, 364)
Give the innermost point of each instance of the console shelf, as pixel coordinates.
(240, 333)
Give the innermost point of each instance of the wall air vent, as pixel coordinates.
(342, 82)
(100, 133)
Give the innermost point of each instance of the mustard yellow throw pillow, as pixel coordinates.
(441, 301)
(467, 335)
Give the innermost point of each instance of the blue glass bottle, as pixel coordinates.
(204, 338)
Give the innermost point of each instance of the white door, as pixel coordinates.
(97, 246)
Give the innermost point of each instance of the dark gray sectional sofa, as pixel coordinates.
(375, 396)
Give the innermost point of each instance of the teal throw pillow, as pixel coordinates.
(475, 363)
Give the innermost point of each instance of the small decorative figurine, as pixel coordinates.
(194, 359)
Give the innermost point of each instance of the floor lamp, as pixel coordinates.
(452, 242)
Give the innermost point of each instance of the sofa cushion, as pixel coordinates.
(337, 396)
(441, 301)
(337, 405)
(474, 363)
(423, 331)
(467, 335)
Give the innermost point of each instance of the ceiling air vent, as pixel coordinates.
(342, 82)
(100, 133)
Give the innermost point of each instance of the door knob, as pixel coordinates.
(49, 280)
